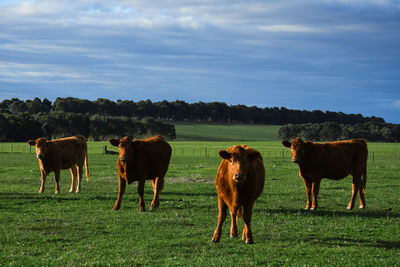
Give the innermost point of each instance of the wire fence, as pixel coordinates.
(187, 151)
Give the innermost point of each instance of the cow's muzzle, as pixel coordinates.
(123, 159)
(40, 156)
(295, 160)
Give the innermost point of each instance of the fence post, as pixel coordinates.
(104, 149)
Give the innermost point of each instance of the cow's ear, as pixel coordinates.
(286, 143)
(223, 154)
(254, 155)
(32, 143)
(114, 142)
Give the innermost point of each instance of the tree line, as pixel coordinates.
(331, 131)
(55, 124)
(181, 111)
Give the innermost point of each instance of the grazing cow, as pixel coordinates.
(333, 160)
(239, 182)
(65, 153)
(141, 160)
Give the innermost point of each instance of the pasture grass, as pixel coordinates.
(81, 229)
(226, 132)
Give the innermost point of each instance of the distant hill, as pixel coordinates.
(226, 132)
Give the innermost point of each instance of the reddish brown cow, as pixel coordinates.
(239, 182)
(65, 153)
(333, 160)
(141, 160)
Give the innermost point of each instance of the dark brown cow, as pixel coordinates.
(239, 182)
(65, 153)
(141, 160)
(333, 160)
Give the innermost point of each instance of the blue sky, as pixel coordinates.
(337, 55)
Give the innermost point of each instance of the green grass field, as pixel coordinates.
(226, 132)
(81, 229)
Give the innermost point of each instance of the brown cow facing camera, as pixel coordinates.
(239, 182)
(332, 160)
(59, 154)
(141, 160)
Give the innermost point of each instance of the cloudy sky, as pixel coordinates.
(337, 55)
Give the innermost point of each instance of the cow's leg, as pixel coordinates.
(121, 191)
(247, 233)
(80, 173)
(315, 191)
(157, 187)
(44, 175)
(140, 193)
(73, 174)
(221, 218)
(57, 180)
(234, 212)
(356, 187)
(308, 186)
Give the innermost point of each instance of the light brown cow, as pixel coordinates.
(333, 160)
(141, 160)
(239, 182)
(65, 153)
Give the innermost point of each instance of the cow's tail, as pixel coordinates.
(364, 180)
(364, 172)
(87, 167)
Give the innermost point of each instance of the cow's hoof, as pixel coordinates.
(250, 242)
(215, 240)
(56, 192)
(362, 207)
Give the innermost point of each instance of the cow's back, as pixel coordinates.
(71, 150)
(336, 160)
(256, 175)
(155, 155)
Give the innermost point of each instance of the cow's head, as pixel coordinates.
(41, 147)
(127, 148)
(297, 148)
(240, 160)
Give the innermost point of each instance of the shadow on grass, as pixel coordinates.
(37, 196)
(325, 213)
(190, 194)
(350, 242)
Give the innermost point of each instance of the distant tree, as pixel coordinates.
(330, 131)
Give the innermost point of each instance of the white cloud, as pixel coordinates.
(290, 28)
